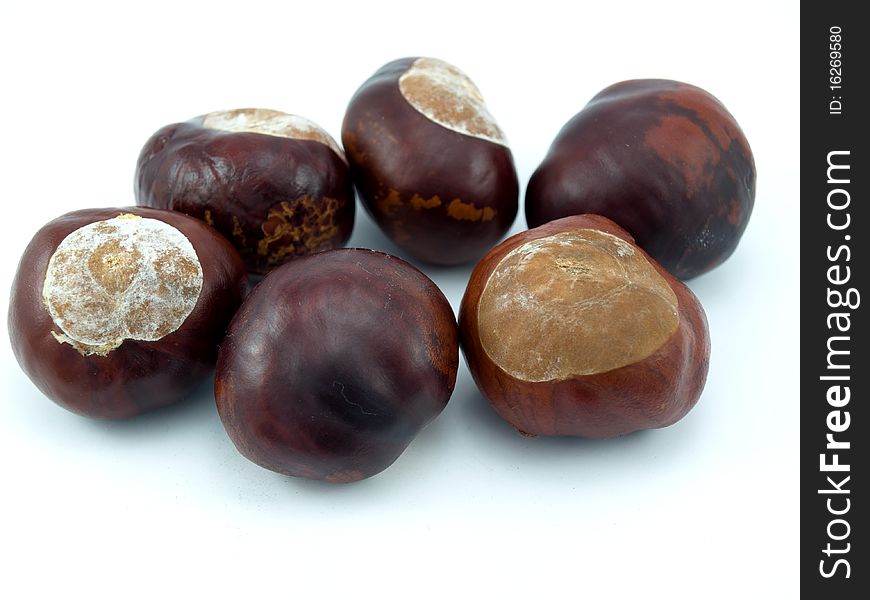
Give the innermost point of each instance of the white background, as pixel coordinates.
(163, 505)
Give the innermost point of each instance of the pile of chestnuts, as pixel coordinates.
(337, 358)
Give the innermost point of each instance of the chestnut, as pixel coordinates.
(118, 311)
(663, 159)
(334, 363)
(276, 185)
(571, 329)
(432, 166)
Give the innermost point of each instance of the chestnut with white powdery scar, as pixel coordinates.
(127, 277)
(447, 96)
(430, 164)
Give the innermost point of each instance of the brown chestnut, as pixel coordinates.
(118, 311)
(572, 329)
(432, 166)
(663, 159)
(334, 363)
(276, 185)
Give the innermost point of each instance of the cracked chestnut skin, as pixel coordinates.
(334, 363)
(654, 392)
(274, 198)
(663, 159)
(400, 160)
(138, 376)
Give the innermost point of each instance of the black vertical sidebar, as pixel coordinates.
(835, 365)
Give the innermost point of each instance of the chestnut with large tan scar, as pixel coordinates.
(572, 329)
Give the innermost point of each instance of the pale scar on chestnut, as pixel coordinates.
(447, 96)
(270, 122)
(597, 304)
(123, 278)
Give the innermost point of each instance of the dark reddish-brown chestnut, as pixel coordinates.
(276, 185)
(334, 363)
(118, 311)
(432, 166)
(663, 159)
(572, 329)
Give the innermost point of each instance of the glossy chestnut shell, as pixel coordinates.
(663, 159)
(587, 359)
(334, 363)
(275, 185)
(137, 375)
(438, 180)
